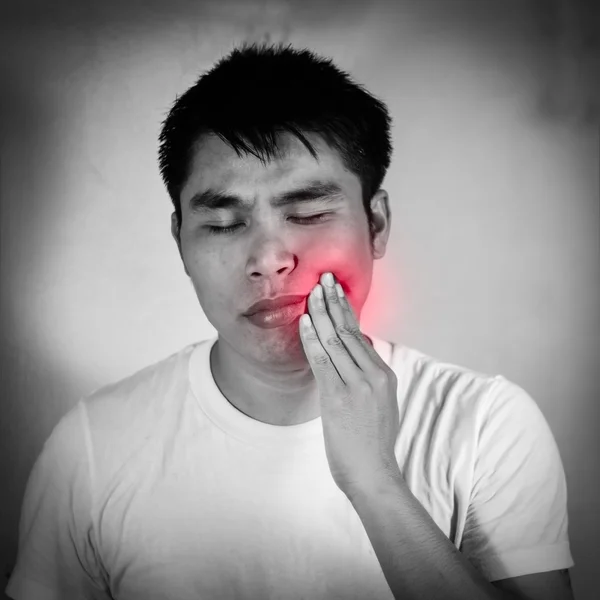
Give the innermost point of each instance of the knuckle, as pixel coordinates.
(345, 330)
(333, 298)
(321, 308)
(322, 359)
(356, 332)
(364, 387)
(334, 341)
(382, 380)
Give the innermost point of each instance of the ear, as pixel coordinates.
(382, 221)
(176, 236)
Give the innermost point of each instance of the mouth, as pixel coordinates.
(273, 304)
(286, 315)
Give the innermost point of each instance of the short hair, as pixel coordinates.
(260, 91)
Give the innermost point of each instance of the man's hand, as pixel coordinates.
(357, 392)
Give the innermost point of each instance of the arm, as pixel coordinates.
(516, 530)
(417, 559)
(55, 557)
(551, 585)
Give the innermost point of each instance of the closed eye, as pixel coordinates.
(302, 220)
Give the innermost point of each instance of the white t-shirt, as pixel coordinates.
(156, 487)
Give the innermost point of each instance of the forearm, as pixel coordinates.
(417, 559)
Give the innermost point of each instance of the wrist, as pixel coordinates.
(380, 483)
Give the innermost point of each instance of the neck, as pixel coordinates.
(278, 397)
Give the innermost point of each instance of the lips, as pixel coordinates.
(273, 303)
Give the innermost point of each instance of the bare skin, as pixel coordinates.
(264, 373)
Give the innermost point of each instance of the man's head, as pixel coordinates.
(264, 121)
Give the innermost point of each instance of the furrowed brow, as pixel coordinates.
(321, 192)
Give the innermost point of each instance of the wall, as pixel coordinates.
(494, 188)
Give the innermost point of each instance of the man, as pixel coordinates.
(277, 461)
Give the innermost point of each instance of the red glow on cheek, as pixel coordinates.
(351, 272)
(374, 302)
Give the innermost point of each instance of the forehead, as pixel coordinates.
(214, 164)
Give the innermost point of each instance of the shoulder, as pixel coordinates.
(424, 379)
(121, 418)
(458, 388)
(144, 390)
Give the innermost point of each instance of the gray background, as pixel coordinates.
(493, 257)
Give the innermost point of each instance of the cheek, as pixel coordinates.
(350, 263)
(205, 261)
(206, 269)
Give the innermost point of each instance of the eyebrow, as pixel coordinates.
(315, 191)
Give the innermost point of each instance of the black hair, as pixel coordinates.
(260, 91)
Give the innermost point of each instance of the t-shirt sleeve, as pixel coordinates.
(56, 556)
(517, 520)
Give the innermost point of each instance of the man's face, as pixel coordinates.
(271, 253)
